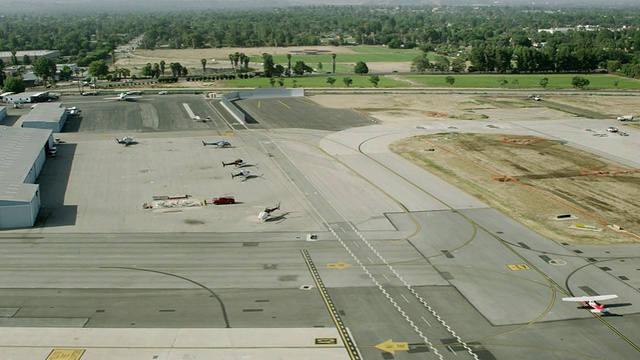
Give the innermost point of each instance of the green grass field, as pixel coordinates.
(373, 54)
(518, 81)
(526, 81)
(318, 81)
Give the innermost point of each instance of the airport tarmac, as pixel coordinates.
(402, 265)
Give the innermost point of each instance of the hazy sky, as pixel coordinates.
(123, 5)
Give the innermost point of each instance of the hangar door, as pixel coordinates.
(16, 215)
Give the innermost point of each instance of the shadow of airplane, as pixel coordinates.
(277, 218)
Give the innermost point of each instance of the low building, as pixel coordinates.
(22, 156)
(50, 116)
(32, 54)
(27, 97)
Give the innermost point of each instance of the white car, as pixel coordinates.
(612, 129)
(134, 92)
(163, 93)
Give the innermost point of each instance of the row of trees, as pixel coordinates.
(444, 28)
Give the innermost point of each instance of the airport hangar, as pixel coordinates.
(23, 152)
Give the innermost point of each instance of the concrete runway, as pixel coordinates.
(399, 255)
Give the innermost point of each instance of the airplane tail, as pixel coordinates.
(223, 164)
(203, 143)
(278, 207)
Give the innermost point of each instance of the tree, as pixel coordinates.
(502, 81)
(272, 81)
(421, 63)
(13, 84)
(147, 70)
(162, 65)
(544, 82)
(441, 63)
(66, 72)
(281, 81)
(267, 64)
(26, 60)
(333, 63)
(450, 80)
(176, 69)
(204, 65)
(458, 65)
(300, 68)
(44, 67)
(156, 70)
(361, 68)
(289, 63)
(580, 82)
(331, 80)
(374, 79)
(98, 68)
(319, 66)
(347, 81)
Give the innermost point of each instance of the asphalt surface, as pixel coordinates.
(398, 254)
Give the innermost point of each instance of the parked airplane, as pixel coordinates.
(236, 163)
(198, 118)
(220, 144)
(267, 212)
(124, 97)
(591, 302)
(127, 140)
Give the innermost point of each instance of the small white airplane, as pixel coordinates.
(124, 97)
(127, 140)
(220, 144)
(591, 302)
(267, 212)
(198, 118)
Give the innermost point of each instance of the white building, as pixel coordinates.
(22, 156)
(50, 116)
(26, 97)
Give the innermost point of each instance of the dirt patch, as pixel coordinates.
(534, 180)
(410, 107)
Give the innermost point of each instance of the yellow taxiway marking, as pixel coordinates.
(283, 104)
(326, 341)
(516, 267)
(339, 265)
(391, 347)
(65, 354)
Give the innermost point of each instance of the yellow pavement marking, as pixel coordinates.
(339, 265)
(65, 354)
(391, 347)
(516, 267)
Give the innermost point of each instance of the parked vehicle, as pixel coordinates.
(222, 200)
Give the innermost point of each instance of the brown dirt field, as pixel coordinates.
(533, 181)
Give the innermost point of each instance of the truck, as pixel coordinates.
(625, 118)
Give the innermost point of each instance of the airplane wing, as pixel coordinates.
(590, 298)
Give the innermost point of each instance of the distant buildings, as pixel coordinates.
(32, 54)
